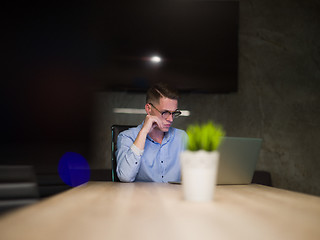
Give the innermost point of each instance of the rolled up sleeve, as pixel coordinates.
(128, 158)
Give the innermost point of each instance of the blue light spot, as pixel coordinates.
(74, 169)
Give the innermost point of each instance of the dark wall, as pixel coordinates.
(46, 82)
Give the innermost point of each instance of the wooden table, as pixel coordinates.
(106, 210)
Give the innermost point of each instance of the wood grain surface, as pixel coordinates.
(107, 210)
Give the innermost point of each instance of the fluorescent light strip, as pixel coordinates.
(184, 113)
(129, 110)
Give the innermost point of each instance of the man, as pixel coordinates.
(150, 152)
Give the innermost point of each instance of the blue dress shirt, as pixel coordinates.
(158, 162)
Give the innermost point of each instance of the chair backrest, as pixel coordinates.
(18, 187)
(115, 130)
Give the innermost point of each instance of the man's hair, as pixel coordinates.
(160, 90)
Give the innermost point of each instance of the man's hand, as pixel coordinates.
(150, 123)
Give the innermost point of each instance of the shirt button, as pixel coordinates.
(162, 176)
(161, 161)
(136, 162)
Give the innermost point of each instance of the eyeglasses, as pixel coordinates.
(166, 114)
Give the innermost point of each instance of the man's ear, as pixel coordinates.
(147, 107)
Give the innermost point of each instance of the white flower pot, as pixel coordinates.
(199, 174)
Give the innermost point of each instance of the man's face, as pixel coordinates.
(165, 104)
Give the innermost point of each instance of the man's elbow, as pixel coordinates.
(125, 178)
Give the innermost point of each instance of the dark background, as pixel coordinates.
(198, 41)
(47, 81)
(58, 54)
(277, 97)
(48, 66)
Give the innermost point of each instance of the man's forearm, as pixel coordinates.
(141, 139)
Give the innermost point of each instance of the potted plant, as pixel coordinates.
(199, 163)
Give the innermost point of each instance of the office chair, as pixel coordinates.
(115, 130)
(18, 187)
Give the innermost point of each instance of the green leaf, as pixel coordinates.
(205, 136)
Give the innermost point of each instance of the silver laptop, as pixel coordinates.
(238, 159)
